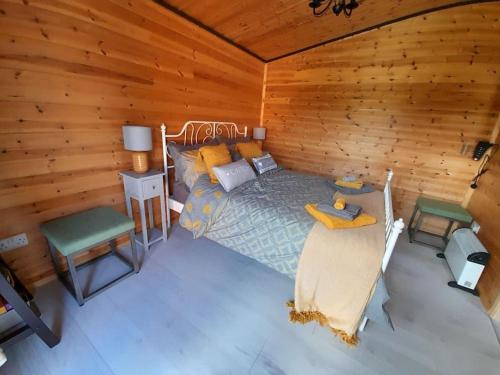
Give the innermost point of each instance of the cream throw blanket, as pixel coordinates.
(338, 271)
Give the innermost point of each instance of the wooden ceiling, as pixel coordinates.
(270, 29)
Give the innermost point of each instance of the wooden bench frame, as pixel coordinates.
(413, 230)
(70, 278)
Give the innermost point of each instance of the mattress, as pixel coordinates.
(263, 218)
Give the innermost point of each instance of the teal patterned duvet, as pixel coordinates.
(263, 219)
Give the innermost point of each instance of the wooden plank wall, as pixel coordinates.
(410, 96)
(71, 74)
(485, 206)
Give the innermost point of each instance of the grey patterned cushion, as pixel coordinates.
(231, 144)
(234, 174)
(232, 141)
(175, 151)
(264, 163)
(190, 174)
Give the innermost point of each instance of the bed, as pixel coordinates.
(264, 220)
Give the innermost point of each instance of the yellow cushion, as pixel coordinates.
(358, 184)
(213, 156)
(339, 203)
(249, 150)
(333, 222)
(199, 164)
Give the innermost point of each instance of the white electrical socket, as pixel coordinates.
(10, 243)
(475, 227)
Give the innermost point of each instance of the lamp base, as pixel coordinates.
(140, 161)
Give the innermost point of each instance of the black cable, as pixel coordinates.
(482, 168)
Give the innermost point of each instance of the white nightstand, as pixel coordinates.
(144, 187)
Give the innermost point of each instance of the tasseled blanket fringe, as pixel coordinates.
(309, 316)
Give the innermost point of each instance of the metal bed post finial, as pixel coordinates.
(397, 228)
(165, 171)
(390, 173)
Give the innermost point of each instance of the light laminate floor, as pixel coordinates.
(199, 308)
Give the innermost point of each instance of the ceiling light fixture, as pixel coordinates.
(320, 7)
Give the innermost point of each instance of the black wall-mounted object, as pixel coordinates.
(480, 150)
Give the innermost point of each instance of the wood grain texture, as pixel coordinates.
(410, 96)
(71, 74)
(485, 206)
(272, 28)
(195, 296)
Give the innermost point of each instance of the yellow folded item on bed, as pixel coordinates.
(249, 150)
(358, 184)
(213, 156)
(338, 270)
(339, 203)
(332, 222)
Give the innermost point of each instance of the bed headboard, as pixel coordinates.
(198, 132)
(193, 133)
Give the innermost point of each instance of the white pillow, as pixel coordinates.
(232, 175)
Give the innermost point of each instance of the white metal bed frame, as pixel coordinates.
(193, 133)
(199, 132)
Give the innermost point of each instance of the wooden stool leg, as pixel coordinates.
(53, 256)
(74, 279)
(135, 261)
(447, 232)
(144, 226)
(413, 216)
(25, 312)
(418, 225)
(112, 245)
(411, 223)
(151, 214)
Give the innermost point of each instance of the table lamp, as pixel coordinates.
(259, 134)
(138, 140)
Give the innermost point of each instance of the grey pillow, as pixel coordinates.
(233, 141)
(175, 151)
(190, 175)
(231, 144)
(264, 163)
(232, 175)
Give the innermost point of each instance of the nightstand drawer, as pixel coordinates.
(151, 188)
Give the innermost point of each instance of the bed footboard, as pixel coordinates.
(392, 231)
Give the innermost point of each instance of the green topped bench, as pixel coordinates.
(451, 211)
(76, 233)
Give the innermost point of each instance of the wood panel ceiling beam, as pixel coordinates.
(252, 41)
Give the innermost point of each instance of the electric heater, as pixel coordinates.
(467, 258)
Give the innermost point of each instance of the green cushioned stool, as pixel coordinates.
(450, 211)
(82, 231)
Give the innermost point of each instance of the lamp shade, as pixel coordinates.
(137, 138)
(259, 133)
